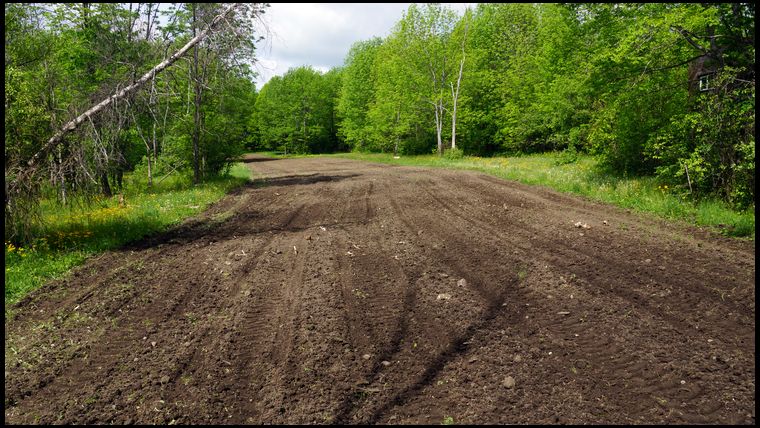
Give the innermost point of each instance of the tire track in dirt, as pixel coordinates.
(229, 323)
(452, 345)
(620, 363)
(613, 263)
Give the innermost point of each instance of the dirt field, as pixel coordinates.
(335, 291)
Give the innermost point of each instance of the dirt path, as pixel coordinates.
(347, 292)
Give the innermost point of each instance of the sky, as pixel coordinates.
(320, 34)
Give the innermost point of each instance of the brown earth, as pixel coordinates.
(335, 291)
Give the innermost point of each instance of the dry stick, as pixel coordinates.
(686, 167)
(70, 126)
(170, 172)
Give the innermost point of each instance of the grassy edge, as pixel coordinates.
(28, 269)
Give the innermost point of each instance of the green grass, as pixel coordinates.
(583, 177)
(72, 234)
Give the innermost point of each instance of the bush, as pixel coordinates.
(454, 153)
(715, 141)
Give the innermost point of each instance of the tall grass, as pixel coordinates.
(71, 234)
(581, 175)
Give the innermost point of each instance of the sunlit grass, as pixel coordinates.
(73, 233)
(583, 177)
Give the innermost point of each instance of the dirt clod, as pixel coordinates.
(508, 382)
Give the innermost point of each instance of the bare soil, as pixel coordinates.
(337, 291)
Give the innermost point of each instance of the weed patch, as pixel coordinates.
(75, 232)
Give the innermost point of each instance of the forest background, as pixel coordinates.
(650, 90)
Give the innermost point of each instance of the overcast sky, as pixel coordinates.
(320, 34)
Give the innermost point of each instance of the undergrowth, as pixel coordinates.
(81, 229)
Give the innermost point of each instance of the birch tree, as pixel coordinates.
(427, 31)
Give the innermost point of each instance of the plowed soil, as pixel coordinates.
(336, 291)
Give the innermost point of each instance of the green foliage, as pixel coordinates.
(453, 154)
(357, 93)
(63, 58)
(714, 144)
(613, 80)
(296, 112)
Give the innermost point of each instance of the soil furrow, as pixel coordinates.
(335, 291)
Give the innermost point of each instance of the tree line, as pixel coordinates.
(652, 89)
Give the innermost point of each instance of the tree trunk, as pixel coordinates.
(398, 136)
(439, 124)
(196, 115)
(150, 173)
(104, 185)
(63, 176)
(455, 94)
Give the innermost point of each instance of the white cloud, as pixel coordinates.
(320, 34)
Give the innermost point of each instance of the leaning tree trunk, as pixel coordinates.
(21, 190)
(73, 124)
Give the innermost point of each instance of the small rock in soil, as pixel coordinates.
(509, 382)
(648, 261)
(164, 379)
(517, 358)
(563, 313)
(473, 360)
(366, 356)
(385, 363)
(462, 282)
(443, 296)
